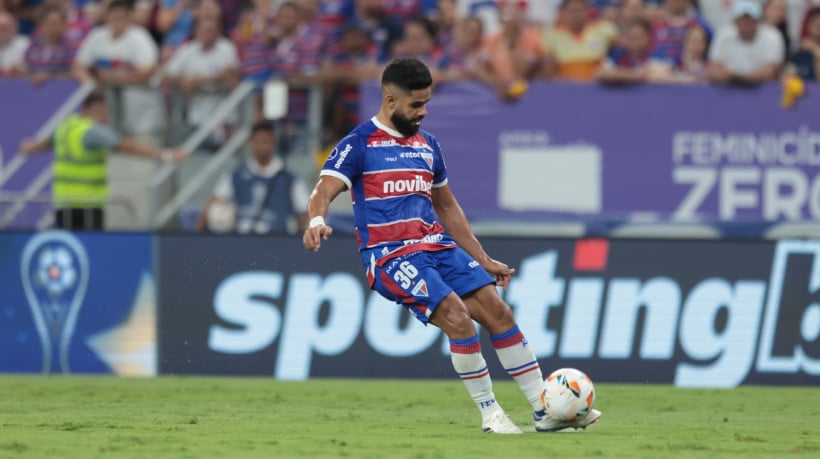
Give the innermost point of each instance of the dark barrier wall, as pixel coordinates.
(77, 303)
(692, 313)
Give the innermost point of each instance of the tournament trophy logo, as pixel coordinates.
(54, 271)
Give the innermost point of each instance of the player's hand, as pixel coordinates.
(313, 236)
(501, 271)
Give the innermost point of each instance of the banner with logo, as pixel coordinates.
(692, 313)
(682, 152)
(77, 303)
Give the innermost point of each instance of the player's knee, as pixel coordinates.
(455, 321)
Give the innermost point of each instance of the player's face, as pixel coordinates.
(411, 108)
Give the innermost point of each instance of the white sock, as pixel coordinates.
(520, 362)
(472, 369)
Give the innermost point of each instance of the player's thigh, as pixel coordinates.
(487, 308)
(414, 282)
(460, 271)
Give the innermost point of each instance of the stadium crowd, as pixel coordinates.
(198, 46)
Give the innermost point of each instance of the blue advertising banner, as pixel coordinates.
(677, 152)
(77, 303)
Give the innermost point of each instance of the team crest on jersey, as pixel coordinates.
(420, 289)
(429, 158)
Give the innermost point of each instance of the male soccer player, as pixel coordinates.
(399, 183)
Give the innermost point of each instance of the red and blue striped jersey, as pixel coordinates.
(391, 178)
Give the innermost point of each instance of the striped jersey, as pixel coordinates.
(391, 178)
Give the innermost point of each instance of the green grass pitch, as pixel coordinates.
(192, 417)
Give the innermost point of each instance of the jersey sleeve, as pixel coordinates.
(346, 160)
(439, 168)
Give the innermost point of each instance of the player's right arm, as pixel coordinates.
(323, 194)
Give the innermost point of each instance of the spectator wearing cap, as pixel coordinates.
(748, 52)
(577, 46)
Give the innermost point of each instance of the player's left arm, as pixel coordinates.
(452, 216)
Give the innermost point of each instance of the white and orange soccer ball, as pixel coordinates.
(568, 395)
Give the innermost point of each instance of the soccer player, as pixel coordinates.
(398, 180)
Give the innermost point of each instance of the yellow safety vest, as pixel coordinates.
(80, 174)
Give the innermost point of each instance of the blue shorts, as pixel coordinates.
(420, 280)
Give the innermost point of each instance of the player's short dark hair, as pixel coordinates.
(96, 97)
(262, 126)
(409, 74)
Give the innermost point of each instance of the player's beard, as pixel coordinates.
(404, 125)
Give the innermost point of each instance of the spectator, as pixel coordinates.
(204, 69)
(252, 40)
(50, 53)
(669, 32)
(748, 52)
(774, 14)
(371, 16)
(231, 13)
(693, 64)
(331, 18)
(260, 196)
(310, 29)
(627, 13)
(77, 24)
(12, 46)
(174, 32)
(25, 12)
(403, 10)
(577, 46)
(294, 58)
(123, 56)
(81, 145)
(445, 19)
(420, 42)
(629, 64)
(175, 21)
(515, 54)
(349, 62)
(797, 18)
(465, 58)
(484, 10)
(806, 61)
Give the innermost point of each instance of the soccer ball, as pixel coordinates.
(568, 395)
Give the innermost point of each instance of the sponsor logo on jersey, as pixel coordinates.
(473, 264)
(416, 184)
(342, 155)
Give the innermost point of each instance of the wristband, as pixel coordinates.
(167, 155)
(316, 221)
